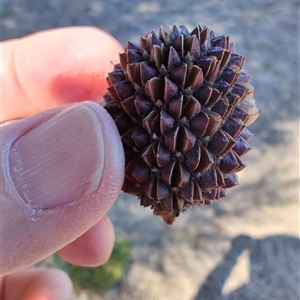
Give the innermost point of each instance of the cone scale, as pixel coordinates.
(182, 106)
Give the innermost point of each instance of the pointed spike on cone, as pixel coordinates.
(231, 143)
(164, 35)
(200, 123)
(228, 75)
(170, 139)
(231, 180)
(192, 158)
(187, 192)
(115, 77)
(133, 74)
(229, 163)
(219, 41)
(123, 123)
(129, 108)
(127, 140)
(175, 32)
(175, 107)
(195, 78)
(214, 123)
(203, 95)
(181, 175)
(124, 89)
(197, 32)
(240, 161)
(163, 190)
(166, 172)
(195, 50)
(117, 67)
(113, 94)
(178, 204)
(220, 179)
(197, 193)
(209, 196)
(184, 30)
(205, 64)
(134, 56)
(240, 90)
(143, 45)
(108, 99)
(225, 59)
(133, 46)
(174, 60)
(163, 155)
(178, 45)
(218, 52)
(123, 61)
(148, 121)
(213, 70)
(241, 147)
(233, 127)
(222, 87)
(246, 134)
(156, 57)
(141, 172)
(239, 113)
(243, 78)
(236, 60)
(150, 188)
(186, 140)
(155, 40)
(164, 206)
(203, 37)
(147, 72)
(154, 89)
(140, 137)
(170, 91)
(206, 160)
(218, 143)
(143, 105)
(221, 108)
(166, 122)
(178, 75)
(192, 109)
(209, 179)
(148, 155)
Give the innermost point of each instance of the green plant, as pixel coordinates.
(101, 278)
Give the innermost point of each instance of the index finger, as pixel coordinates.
(55, 67)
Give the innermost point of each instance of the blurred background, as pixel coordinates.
(245, 246)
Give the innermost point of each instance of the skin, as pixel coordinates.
(45, 71)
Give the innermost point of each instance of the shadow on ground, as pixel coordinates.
(274, 270)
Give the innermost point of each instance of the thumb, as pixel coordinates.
(61, 170)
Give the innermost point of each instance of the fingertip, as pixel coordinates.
(56, 67)
(93, 248)
(37, 284)
(50, 284)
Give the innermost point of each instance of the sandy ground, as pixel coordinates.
(247, 245)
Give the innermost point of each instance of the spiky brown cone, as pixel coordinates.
(181, 104)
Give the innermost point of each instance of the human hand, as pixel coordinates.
(61, 169)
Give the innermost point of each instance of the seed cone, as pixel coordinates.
(182, 105)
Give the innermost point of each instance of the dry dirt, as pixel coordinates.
(246, 246)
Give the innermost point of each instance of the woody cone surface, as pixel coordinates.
(182, 105)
